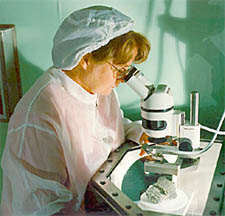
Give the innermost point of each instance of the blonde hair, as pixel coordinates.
(120, 49)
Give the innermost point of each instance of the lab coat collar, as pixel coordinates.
(72, 87)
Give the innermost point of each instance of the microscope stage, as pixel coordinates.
(121, 181)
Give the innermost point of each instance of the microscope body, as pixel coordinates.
(160, 121)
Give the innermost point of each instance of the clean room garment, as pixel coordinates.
(58, 136)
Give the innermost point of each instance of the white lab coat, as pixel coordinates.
(58, 136)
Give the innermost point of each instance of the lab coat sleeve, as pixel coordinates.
(35, 171)
(132, 130)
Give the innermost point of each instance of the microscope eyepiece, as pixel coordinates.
(132, 72)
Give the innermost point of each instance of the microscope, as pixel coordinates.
(169, 134)
(172, 148)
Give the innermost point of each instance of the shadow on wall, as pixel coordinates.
(29, 72)
(202, 31)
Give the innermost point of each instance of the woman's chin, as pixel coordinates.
(106, 92)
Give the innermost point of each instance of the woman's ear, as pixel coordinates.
(85, 61)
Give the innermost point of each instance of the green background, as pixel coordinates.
(187, 39)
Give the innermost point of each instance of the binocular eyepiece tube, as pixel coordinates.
(136, 80)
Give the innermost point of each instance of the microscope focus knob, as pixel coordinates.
(185, 144)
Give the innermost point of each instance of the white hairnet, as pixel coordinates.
(86, 30)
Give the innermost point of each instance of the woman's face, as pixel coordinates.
(101, 77)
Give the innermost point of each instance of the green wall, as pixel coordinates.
(187, 38)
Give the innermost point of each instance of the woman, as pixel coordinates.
(67, 124)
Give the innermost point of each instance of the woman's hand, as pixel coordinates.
(143, 139)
